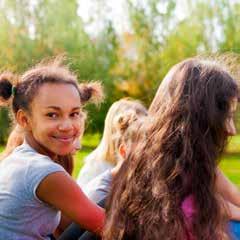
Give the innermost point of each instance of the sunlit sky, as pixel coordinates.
(116, 10)
(117, 13)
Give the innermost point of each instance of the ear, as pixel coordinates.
(122, 150)
(23, 119)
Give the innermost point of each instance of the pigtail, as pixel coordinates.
(7, 83)
(91, 92)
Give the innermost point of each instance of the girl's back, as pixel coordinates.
(167, 187)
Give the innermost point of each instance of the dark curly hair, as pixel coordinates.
(20, 91)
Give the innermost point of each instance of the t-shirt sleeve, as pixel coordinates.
(37, 170)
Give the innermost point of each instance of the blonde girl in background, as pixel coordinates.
(104, 156)
(130, 114)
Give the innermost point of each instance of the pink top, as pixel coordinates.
(189, 210)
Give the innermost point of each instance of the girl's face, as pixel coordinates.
(56, 121)
(230, 125)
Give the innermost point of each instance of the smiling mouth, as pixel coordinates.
(65, 139)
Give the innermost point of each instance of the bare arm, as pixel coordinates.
(61, 191)
(227, 189)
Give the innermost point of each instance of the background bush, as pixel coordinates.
(129, 63)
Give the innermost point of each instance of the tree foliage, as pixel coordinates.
(128, 63)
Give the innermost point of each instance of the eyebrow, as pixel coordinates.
(58, 108)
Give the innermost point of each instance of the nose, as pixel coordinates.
(232, 131)
(65, 125)
(231, 128)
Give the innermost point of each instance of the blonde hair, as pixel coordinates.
(117, 120)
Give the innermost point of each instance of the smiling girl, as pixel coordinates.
(47, 104)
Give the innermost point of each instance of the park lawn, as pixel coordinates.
(1, 148)
(230, 162)
(89, 143)
(233, 145)
(79, 159)
(230, 165)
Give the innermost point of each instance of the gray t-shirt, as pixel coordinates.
(22, 215)
(99, 187)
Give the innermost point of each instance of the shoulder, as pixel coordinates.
(100, 183)
(36, 165)
(32, 158)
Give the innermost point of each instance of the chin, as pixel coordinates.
(64, 153)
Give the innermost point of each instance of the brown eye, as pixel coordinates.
(75, 114)
(52, 115)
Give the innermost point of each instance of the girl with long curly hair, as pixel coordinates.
(166, 189)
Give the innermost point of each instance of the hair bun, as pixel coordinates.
(123, 122)
(91, 92)
(6, 85)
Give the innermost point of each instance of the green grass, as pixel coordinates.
(230, 163)
(1, 148)
(79, 159)
(234, 145)
(89, 143)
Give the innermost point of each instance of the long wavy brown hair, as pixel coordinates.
(185, 137)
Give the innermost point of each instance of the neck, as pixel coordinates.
(115, 170)
(38, 147)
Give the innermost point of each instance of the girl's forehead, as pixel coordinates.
(59, 95)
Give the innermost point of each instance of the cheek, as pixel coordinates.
(43, 127)
(79, 126)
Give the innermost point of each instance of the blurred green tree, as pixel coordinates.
(128, 63)
(30, 32)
